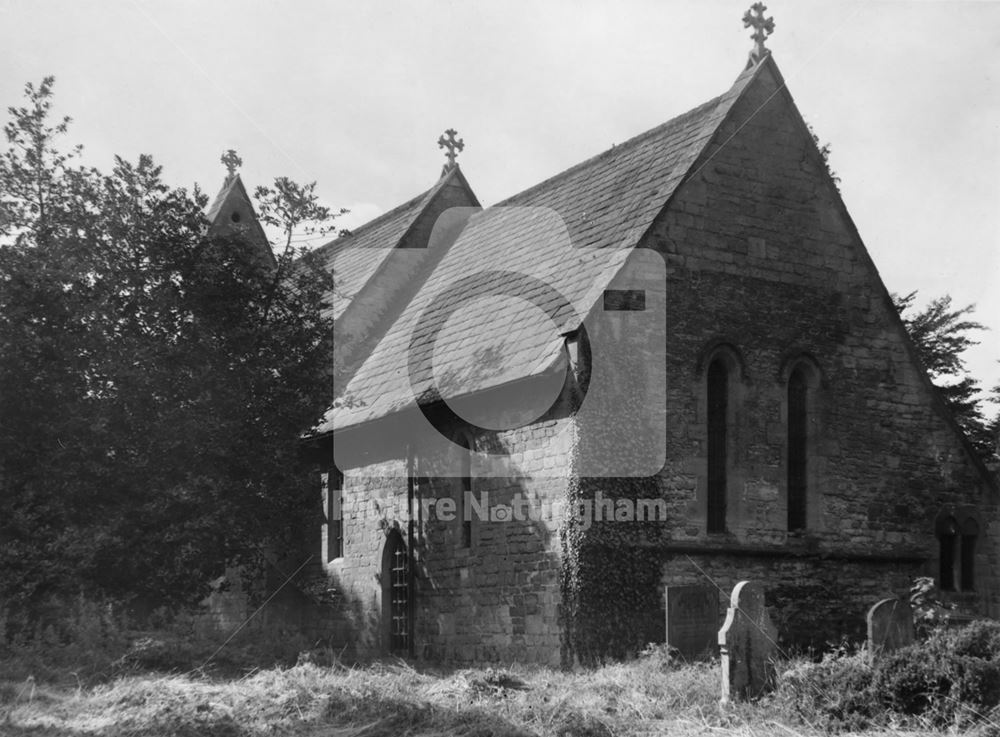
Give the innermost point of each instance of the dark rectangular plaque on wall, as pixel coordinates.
(692, 620)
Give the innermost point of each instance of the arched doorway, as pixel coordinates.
(396, 594)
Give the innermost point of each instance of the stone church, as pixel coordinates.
(673, 363)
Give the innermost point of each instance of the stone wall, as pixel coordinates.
(763, 259)
(497, 599)
(816, 600)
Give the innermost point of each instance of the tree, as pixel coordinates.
(154, 381)
(941, 334)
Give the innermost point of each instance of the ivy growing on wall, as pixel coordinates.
(610, 577)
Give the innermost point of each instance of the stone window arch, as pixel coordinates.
(967, 554)
(947, 535)
(332, 482)
(800, 378)
(958, 542)
(721, 370)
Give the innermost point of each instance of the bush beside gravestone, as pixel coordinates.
(951, 678)
(834, 694)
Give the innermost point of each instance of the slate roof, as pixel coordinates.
(228, 186)
(606, 205)
(359, 255)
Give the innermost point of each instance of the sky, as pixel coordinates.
(353, 95)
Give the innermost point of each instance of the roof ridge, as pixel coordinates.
(628, 143)
(388, 214)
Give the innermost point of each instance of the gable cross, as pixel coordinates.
(454, 145)
(231, 161)
(762, 28)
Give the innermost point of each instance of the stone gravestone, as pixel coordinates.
(692, 619)
(747, 644)
(890, 626)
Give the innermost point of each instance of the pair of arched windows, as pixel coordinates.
(723, 372)
(957, 553)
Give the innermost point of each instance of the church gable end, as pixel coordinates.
(232, 215)
(842, 447)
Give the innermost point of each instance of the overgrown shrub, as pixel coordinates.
(950, 679)
(85, 641)
(61, 633)
(937, 683)
(976, 683)
(834, 694)
(929, 612)
(912, 680)
(980, 639)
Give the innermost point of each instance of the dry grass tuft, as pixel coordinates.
(650, 696)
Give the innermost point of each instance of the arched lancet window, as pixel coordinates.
(718, 421)
(333, 533)
(958, 541)
(947, 543)
(967, 555)
(798, 448)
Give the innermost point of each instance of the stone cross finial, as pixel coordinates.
(763, 27)
(231, 161)
(454, 145)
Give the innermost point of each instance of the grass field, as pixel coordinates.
(649, 696)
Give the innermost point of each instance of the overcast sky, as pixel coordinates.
(354, 95)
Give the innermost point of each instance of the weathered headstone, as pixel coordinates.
(747, 644)
(890, 626)
(692, 619)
